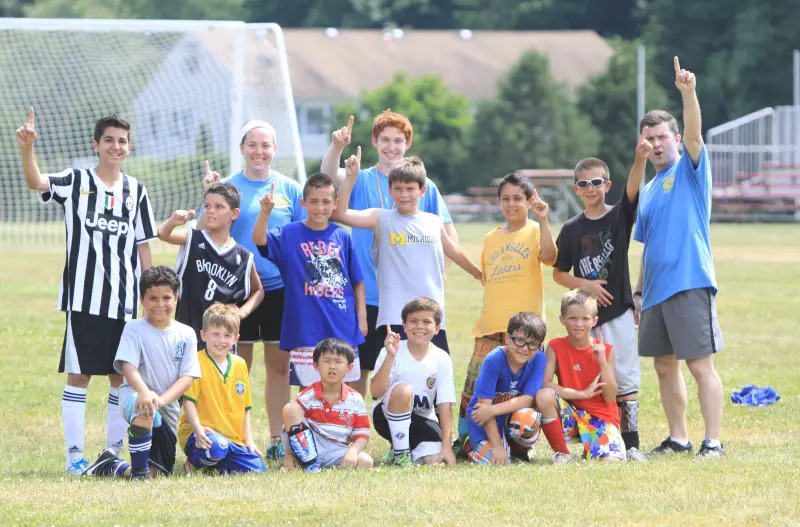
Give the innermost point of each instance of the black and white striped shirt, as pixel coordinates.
(104, 225)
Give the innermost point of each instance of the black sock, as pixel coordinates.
(631, 439)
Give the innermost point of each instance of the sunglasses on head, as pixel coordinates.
(595, 182)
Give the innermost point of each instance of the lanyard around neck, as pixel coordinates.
(383, 204)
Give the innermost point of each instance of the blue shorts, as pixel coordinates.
(224, 455)
(127, 401)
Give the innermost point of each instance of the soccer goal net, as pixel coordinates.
(185, 87)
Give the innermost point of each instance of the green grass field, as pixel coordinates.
(755, 484)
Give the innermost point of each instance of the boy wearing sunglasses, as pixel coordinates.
(594, 245)
(505, 392)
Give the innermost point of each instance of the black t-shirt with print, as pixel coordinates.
(598, 250)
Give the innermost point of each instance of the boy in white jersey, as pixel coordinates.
(411, 376)
(410, 244)
(158, 358)
(108, 222)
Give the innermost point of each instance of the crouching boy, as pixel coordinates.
(501, 416)
(582, 406)
(412, 378)
(215, 426)
(327, 426)
(158, 358)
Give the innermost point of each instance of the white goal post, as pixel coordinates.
(186, 87)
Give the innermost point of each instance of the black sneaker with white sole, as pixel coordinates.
(709, 451)
(97, 468)
(668, 446)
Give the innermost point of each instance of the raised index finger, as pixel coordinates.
(676, 63)
(30, 116)
(644, 132)
(350, 124)
(208, 167)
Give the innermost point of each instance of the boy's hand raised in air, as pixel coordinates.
(26, 134)
(211, 177)
(685, 80)
(599, 349)
(268, 200)
(540, 208)
(353, 164)
(392, 342)
(180, 217)
(644, 147)
(342, 137)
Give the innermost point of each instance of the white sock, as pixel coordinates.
(73, 417)
(399, 425)
(116, 426)
(681, 442)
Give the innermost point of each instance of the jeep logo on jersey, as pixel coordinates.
(108, 223)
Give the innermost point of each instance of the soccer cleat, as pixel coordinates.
(634, 454)
(668, 446)
(106, 457)
(275, 451)
(141, 476)
(404, 460)
(78, 466)
(187, 468)
(388, 459)
(560, 458)
(708, 451)
(461, 447)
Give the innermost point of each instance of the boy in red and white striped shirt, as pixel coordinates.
(327, 425)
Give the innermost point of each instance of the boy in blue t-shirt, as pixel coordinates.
(322, 278)
(505, 394)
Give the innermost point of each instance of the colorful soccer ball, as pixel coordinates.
(524, 425)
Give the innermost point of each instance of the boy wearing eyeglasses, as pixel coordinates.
(507, 384)
(594, 245)
(511, 262)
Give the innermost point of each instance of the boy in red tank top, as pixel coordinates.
(582, 406)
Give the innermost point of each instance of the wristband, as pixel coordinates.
(637, 293)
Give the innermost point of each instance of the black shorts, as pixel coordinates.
(264, 324)
(90, 344)
(421, 430)
(369, 350)
(162, 449)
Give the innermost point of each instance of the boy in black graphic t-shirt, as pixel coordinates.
(594, 245)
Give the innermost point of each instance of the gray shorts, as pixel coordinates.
(621, 333)
(684, 324)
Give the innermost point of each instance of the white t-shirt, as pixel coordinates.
(431, 378)
(161, 356)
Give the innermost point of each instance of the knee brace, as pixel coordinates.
(303, 444)
(628, 416)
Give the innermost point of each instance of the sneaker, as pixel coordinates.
(560, 458)
(78, 466)
(634, 454)
(275, 451)
(404, 461)
(459, 447)
(388, 458)
(708, 451)
(314, 467)
(140, 476)
(668, 446)
(106, 457)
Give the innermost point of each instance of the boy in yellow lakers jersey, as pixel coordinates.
(215, 426)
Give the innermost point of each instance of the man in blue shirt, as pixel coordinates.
(391, 136)
(677, 286)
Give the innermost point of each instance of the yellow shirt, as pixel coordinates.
(512, 277)
(221, 398)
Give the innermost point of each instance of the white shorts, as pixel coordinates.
(419, 449)
(621, 333)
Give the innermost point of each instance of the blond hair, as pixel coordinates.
(224, 315)
(578, 297)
